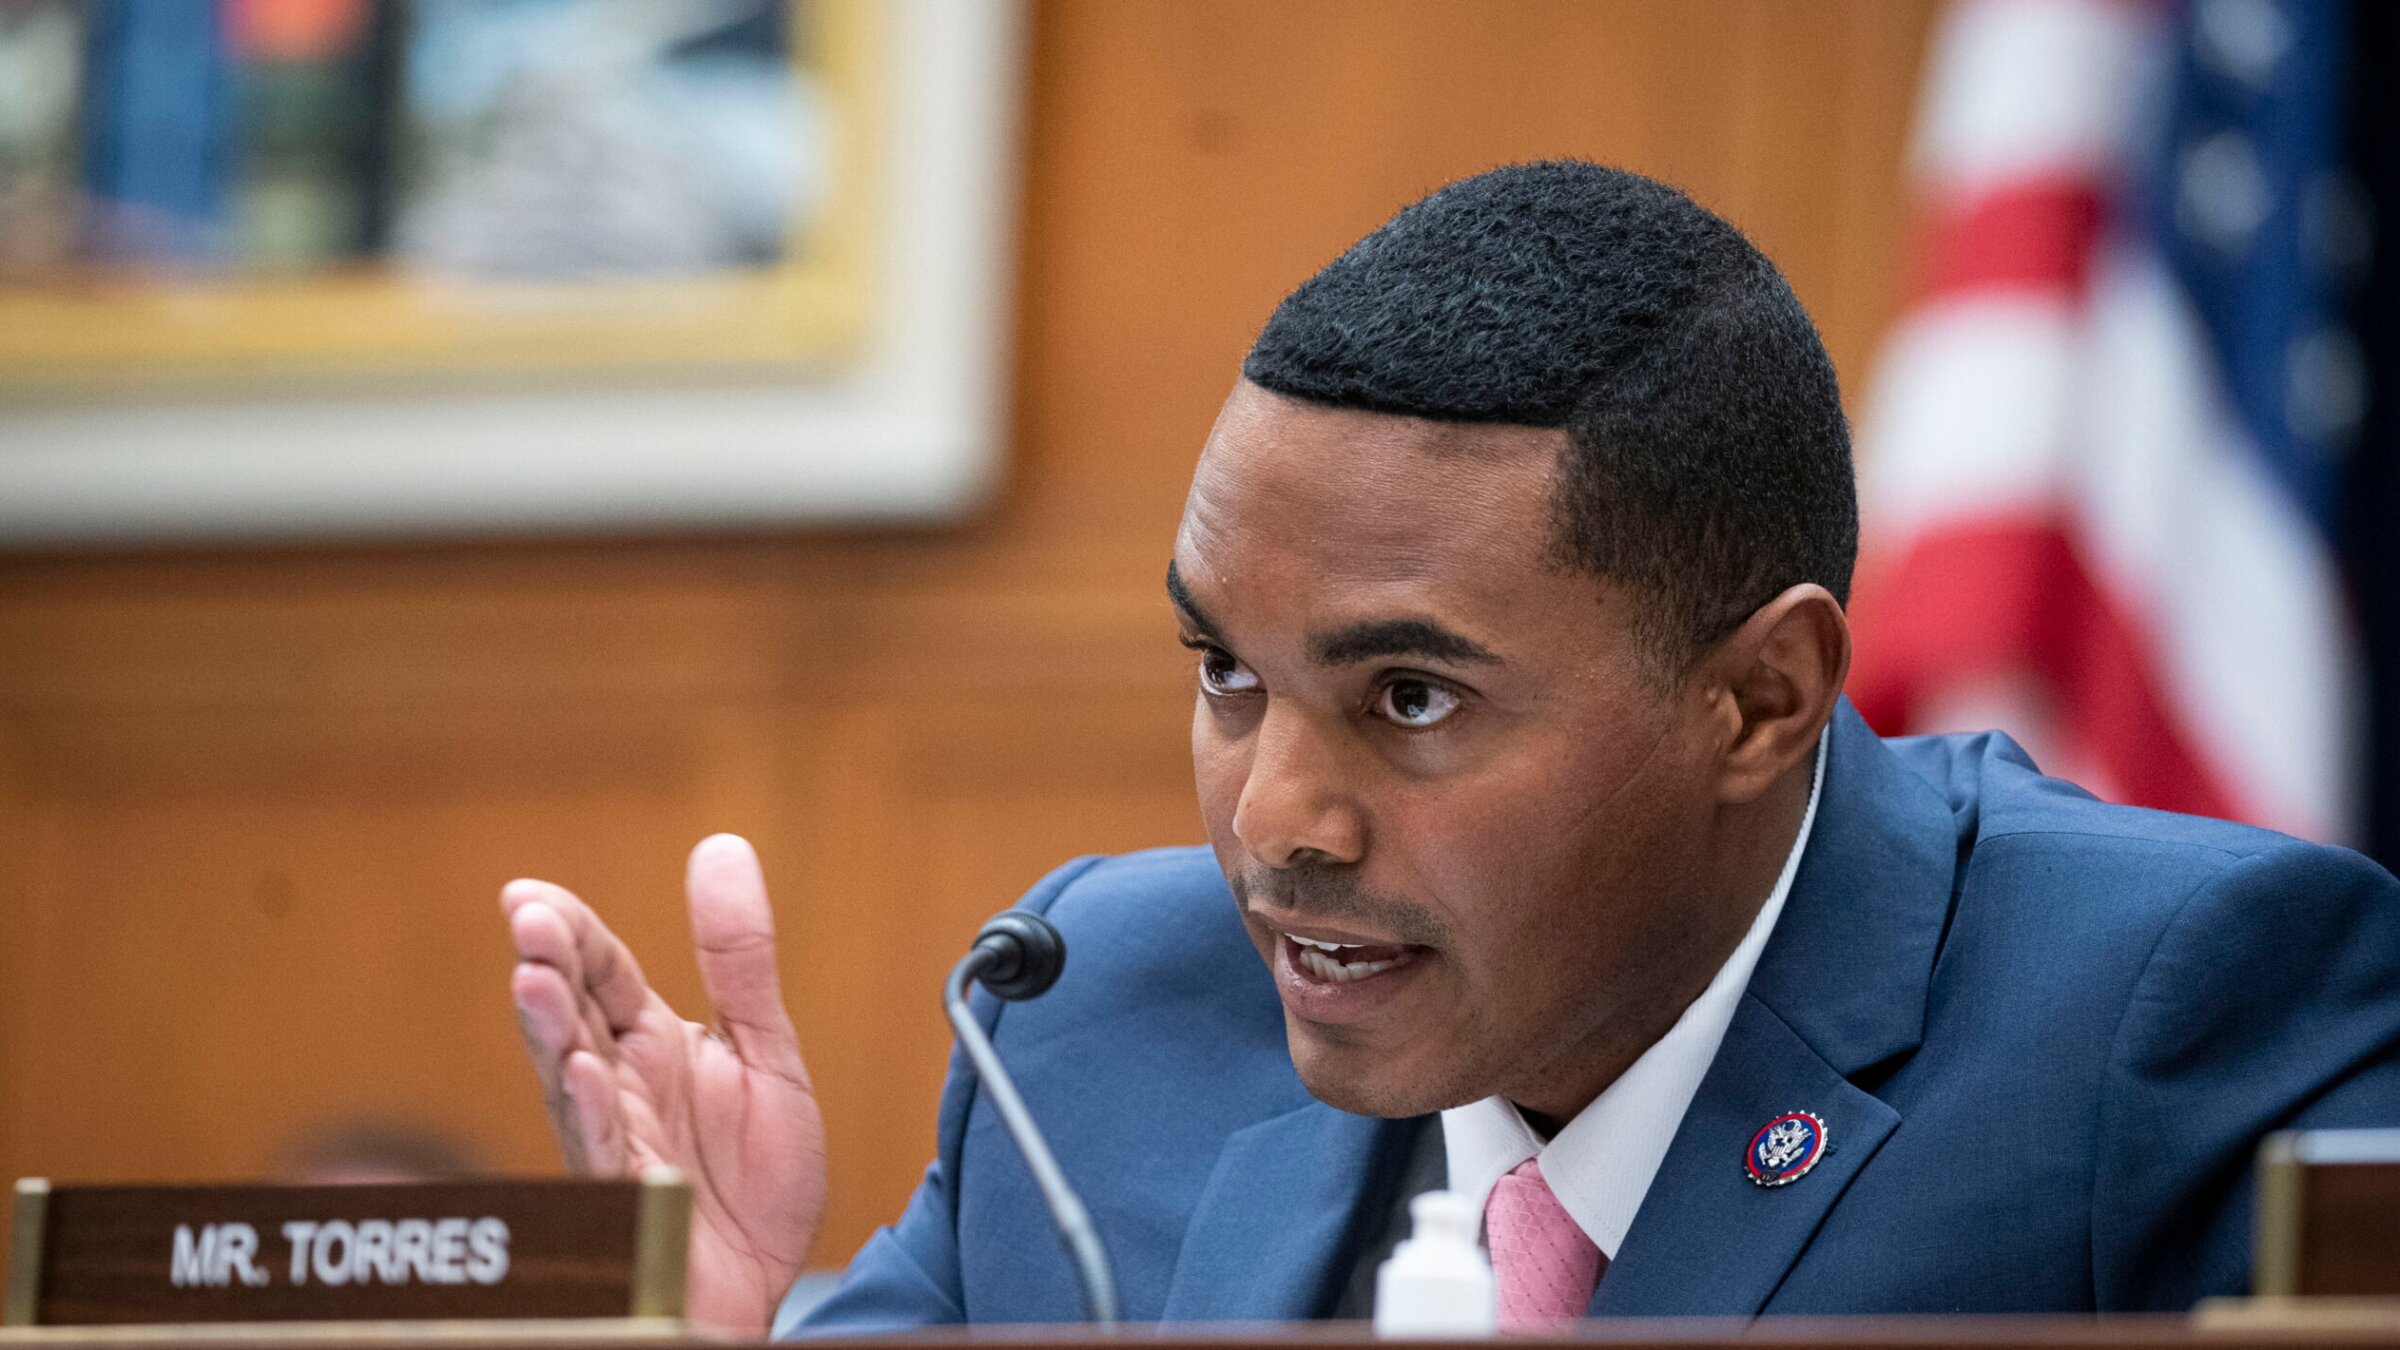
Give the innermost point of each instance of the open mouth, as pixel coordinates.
(1330, 977)
(1345, 962)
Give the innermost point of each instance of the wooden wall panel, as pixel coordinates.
(255, 806)
(934, 814)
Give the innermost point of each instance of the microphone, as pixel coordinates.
(1018, 955)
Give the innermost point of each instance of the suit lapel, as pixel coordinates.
(1840, 989)
(1707, 1239)
(1283, 1212)
(1851, 961)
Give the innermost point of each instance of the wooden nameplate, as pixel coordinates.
(2326, 1249)
(483, 1251)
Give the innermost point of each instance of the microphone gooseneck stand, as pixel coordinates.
(1017, 956)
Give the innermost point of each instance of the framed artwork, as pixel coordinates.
(316, 268)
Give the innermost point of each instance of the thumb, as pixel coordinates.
(733, 932)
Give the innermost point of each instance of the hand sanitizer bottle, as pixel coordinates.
(1438, 1282)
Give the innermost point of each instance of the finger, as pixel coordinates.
(733, 930)
(543, 938)
(599, 1116)
(546, 1012)
(599, 963)
(546, 1015)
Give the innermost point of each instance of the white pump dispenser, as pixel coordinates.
(1438, 1282)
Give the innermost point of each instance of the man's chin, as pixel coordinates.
(1367, 1082)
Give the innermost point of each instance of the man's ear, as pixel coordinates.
(1772, 684)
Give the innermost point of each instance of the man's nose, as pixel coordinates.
(1298, 805)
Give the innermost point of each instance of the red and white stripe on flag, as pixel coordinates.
(2066, 536)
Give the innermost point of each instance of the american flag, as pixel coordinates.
(2101, 452)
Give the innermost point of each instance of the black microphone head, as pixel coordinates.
(1026, 954)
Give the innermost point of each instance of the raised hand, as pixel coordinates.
(632, 1085)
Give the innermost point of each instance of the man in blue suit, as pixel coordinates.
(1550, 866)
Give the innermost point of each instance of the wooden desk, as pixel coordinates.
(2356, 1326)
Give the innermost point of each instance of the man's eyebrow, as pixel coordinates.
(1378, 638)
(1366, 641)
(1181, 596)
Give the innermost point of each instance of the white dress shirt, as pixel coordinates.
(1600, 1166)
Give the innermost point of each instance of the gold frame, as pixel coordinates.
(27, 1218)
(810, 309)
(662, 1243)
(2275, 1232)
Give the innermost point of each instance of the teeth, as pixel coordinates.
(1340, 972)
(1325, 946)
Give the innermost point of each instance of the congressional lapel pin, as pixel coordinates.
(1785, 1148)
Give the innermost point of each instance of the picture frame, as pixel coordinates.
(857, 378)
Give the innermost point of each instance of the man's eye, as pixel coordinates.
(1221, 674)
(1414, 703)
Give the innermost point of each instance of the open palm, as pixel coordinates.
(632, 1085)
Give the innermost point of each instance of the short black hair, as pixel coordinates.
(1707, 462)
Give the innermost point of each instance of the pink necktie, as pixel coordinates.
(1543, 1267)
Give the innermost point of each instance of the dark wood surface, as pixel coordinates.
(2352, 1327)
(2350, 1231)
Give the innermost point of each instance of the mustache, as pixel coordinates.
(1332, 894)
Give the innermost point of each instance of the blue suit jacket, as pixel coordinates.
(2045, 1035)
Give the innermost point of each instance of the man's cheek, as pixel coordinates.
(1217, 773)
